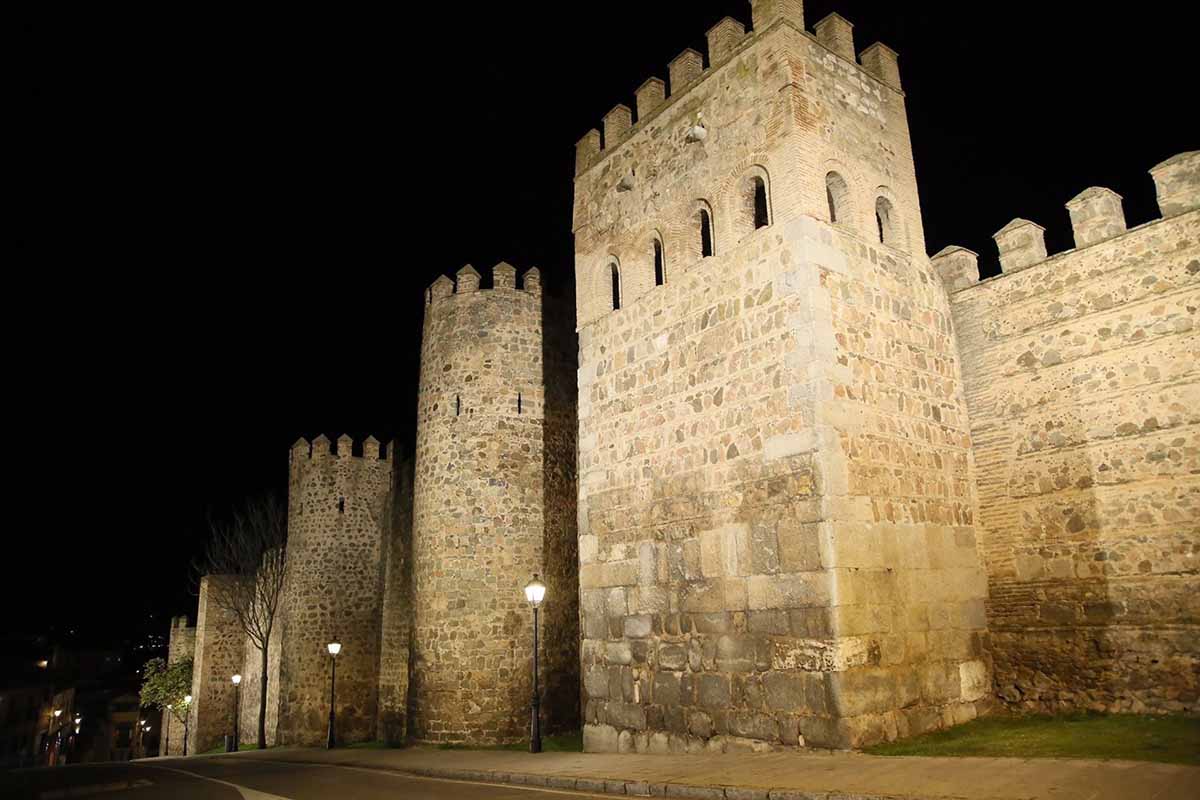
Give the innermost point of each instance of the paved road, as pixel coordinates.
(247, 779)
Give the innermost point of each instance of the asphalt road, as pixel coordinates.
(247, 779)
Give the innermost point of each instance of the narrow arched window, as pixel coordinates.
(457, 405)
(615, 276)
(341, 505)
(837, 194)
(885, 220)
(518, 402)
(706, 237)
(761, 217)
(659, 276)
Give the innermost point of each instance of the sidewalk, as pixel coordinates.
(779, 776)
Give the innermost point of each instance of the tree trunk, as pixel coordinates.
(262, 703)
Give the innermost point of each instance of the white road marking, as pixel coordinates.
(247, 793)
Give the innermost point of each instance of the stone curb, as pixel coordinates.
(617, 786)
(641, 788)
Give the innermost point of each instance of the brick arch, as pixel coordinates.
(856, 196)
(600, 285)
(728, 197)
(896, 226)
(643, 278)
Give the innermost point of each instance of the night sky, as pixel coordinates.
(229, 219)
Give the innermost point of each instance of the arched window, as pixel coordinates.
(615, 275)
(759, 187)
(837, 194)
(659, 274)
(888, 224)
(706, 234)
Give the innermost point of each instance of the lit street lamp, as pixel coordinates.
(237, 709)
(334, 648)
(51, 752)
(535, 592)
(187, 720)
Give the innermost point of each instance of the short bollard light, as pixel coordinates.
(334, 648)
(535, 593)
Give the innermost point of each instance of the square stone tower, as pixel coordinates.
(776, 519)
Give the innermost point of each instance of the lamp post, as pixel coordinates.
(73, 738)
(237, 710)
(535, 592)
(334, 648)
(51, 750)
(187, 720)
(167, 730)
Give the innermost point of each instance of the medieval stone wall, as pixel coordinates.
(396, 624)
(180, 644)
(776, 539)
(560, 541)
(480, 516)
(220, 647)
(251, 688)
(338, 519)
(1084, 390)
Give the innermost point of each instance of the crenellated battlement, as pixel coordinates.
(467, 279)
(323, 449)
(725, 40)
(1096, 216)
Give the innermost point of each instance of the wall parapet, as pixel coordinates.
(1177, 183)
(725, 40)
(467, 282)
(957, 266)
(1096, 215)
(321, 448)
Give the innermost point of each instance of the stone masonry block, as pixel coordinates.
(1021, 244)
(837, 34)
(1177, 183)
(797, 590)
(650, 95)
(958, 267)
(1096, 215)
(684, 69)
(764, 13)
(723, 38)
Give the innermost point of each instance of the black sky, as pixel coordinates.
(226, 218)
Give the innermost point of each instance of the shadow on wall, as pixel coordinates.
(560, 546)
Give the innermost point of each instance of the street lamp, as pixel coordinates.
(166, 731)
(237, 710)
(50, 741)
(334, 648)
(187, 720)
(535, 592)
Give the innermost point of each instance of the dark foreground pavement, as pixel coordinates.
(246, 779)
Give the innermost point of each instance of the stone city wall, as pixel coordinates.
(1084, 392)
(776, 538)
(480, 514)
(251, 688)
(338, 520)
(220, 645)
(396, 624)
(181, 644)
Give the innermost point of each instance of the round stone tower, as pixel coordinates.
(487, 516)
(339, 516)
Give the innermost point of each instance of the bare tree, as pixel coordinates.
(249, 549)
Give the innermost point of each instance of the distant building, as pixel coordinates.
(22, 714)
